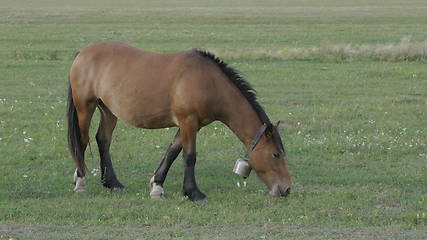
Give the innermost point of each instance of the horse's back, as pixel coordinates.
(144, 88)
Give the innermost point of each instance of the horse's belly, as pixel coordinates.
(147, 114)
(153, 121)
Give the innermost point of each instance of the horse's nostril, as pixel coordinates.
(285, 193)
(280, 191)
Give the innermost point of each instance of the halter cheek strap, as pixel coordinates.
(255, 141)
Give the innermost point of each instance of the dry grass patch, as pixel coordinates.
(405, 50)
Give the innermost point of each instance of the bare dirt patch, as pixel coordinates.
(229, 232)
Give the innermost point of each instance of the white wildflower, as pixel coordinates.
(94, 171)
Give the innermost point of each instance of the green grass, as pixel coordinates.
(355, 130)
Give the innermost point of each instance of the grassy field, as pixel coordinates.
(355, 129)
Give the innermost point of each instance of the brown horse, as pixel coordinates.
(187, 89)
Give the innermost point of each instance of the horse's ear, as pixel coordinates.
(269, 130)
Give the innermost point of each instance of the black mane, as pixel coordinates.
(245, 88)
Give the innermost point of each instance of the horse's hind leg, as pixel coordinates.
(80, 114)
(156, 182)
(103, 138)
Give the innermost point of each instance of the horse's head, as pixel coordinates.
(268, 161)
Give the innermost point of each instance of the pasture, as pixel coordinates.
(355, 126)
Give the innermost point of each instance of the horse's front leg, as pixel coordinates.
(189, 128)
(190, 188)
(156, 182)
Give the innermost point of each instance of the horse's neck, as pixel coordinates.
(243, 120)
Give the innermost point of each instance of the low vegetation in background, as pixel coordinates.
(347, 78)
(405, 50)
(26, 54)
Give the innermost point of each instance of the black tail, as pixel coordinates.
(74, 137)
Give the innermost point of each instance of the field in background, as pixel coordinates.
(355, 127)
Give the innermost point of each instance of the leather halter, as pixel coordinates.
(255, 141)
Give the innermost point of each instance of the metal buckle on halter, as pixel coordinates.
(242, 166)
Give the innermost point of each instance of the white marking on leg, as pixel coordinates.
(75, 176)
(151, 181)
(157, 191)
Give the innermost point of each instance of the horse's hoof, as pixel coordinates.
(111, 183)
(157, 192)
(157, 197)
(201, 201)
(114, 185)
(196, 196)
(80, 186)
(79, 191)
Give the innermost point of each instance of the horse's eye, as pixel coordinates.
(276, 155)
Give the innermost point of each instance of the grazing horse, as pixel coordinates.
(188, 89)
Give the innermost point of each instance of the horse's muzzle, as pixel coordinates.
(280, 191)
